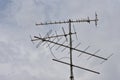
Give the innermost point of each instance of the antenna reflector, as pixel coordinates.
(31, 39)
(39, 44)
(56, 41)
(75, 32)
(78, 45)
(64, 58)
(48, 33)
(63, 49)
(107, 58)
(96, 19)
(64, 34)
(60, 45)
(84, 50)
(56, 34)
(94, 54)
(52, 52)
(52, 41)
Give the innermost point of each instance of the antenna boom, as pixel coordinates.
(71, 48)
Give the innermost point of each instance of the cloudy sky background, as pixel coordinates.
(21, 60)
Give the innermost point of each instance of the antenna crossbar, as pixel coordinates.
(71, 48)
(51, 36)
(76, 66)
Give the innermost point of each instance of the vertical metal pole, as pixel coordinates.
(71, 67)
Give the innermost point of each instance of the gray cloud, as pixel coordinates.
(20, 60)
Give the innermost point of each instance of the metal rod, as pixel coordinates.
(84, 50)
(94, 53)
(52, 37)
(73, 48)
(77, 45)
(72, 21)
(76, 66)
(60, 46)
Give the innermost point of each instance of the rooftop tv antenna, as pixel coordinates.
(51, 39)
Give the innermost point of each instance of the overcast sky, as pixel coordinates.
(21, 60)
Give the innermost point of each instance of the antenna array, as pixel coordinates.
(54, 39)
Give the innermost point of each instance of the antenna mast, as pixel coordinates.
(71, 67)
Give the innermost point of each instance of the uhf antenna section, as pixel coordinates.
(71, 21)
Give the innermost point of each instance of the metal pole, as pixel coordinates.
(71, 65)
(76, 66)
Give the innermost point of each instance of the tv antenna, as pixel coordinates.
(55, 40)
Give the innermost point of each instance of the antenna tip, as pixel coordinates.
(96, 19)
(36, 24)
